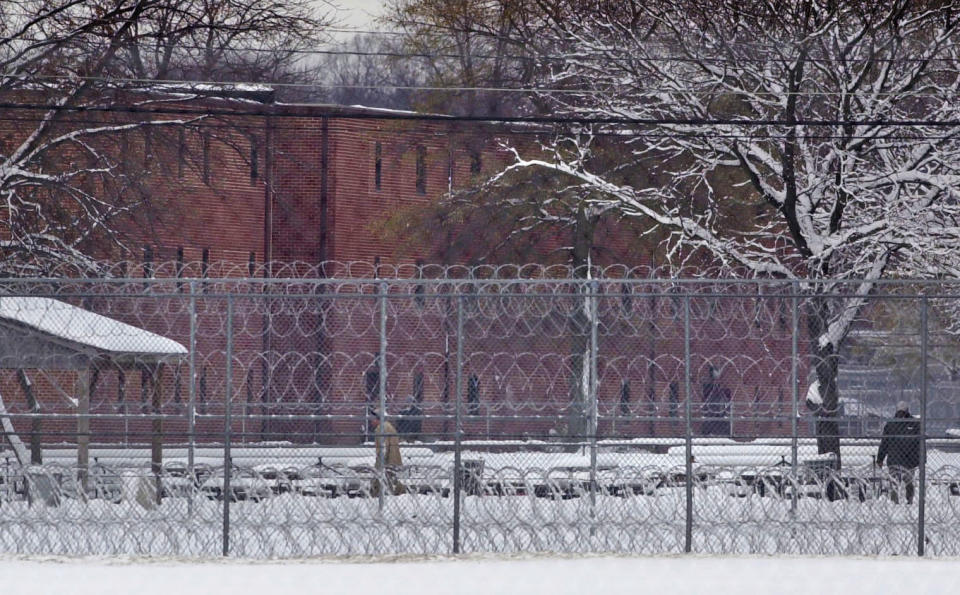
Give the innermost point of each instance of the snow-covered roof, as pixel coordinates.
(64, 321)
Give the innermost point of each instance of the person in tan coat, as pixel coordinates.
(388, 460)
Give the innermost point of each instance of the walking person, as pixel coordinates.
(388, 460)
(900, 448)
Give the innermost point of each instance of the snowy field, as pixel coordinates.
(484, 575)
(525, 502)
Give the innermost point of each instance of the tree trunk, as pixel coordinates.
(579, 367)
(580, 329)
(36, 423)
(825, 361)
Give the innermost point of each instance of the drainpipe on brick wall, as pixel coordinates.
(323, 253)
(267, 319)
(322, 371)
(268, 175)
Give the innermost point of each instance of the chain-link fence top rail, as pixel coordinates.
(622, 412)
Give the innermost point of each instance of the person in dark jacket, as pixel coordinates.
(900, 448)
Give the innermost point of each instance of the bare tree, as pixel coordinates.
(829, 112)
(65, 193)
(474, 49)
(371, 70)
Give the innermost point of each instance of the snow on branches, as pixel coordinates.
(834, 116)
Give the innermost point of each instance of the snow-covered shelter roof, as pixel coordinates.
(40, 332)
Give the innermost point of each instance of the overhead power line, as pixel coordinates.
(289, 111)
(183, 86)
(517, 132)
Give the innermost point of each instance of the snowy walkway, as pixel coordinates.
(486, 576)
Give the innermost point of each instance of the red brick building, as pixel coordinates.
(249, 182)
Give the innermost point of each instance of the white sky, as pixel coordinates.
(358, 14)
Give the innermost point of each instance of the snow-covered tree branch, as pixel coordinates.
(67, 191)
(832, 114)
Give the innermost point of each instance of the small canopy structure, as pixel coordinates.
(49, 334)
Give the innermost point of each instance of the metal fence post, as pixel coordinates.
(192, 394)
(688, 532)
(921, 513)
(458, 429)
(794, 389)
(228, 403)
(594, 289)
(381, 439)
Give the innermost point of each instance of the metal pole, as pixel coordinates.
(794, 390)
(921, 514)
(688, 533)
(594, 289)
(381, 438)
(228, 403)
(458, 429)
(192, 396)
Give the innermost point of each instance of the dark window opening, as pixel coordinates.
(204, 266)
(147, 263)
(124, 151)
(371, 388)
(377, 166)
(181, 152)
(421, 170)
(476, 163)
(473, 395)
(674, 408)
(371, 382)
(179, 268)
(252, 264)
(205, 144)
(121, 391)
(177, 390)
(625, 397)
(419, 289)
(418, 387)
(450, 169)
(780, 407)
(254, 161)
(147, 145)
(144, 390)
(249, 392)
(202, 391)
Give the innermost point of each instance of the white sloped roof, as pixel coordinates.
(65, 321)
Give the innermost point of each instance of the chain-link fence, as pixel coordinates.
(470, 412)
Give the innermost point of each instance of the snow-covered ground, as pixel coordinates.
(484, 575)
(530, 502)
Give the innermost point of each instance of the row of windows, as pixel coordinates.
(476, 166)
(148, 262)
(183, 153)
(371, 382)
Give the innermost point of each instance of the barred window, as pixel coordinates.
(473, 395)
(378, 166)
(421, 170)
